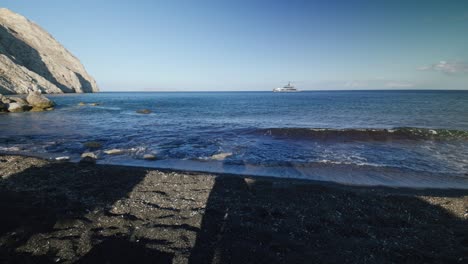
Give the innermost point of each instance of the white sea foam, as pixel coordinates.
(10, 149)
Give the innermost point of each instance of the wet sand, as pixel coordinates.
(66, 213)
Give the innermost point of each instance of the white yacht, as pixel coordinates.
(286, 89)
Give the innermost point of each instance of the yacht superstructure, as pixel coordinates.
(286, 88)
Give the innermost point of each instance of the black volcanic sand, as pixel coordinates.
(65, 212)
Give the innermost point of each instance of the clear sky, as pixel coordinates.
(259, 45)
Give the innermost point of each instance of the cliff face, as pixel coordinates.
(30, 58)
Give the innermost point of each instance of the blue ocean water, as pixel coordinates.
(361, 137)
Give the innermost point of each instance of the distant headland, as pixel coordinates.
(31, 59)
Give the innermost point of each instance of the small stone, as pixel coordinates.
(89, 154)
(113, 151)
(250, 182)
(88, 157)
(221, 156)
(92, 144)
(144, 111)
(149, 157)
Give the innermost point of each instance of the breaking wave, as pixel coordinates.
(400, 133)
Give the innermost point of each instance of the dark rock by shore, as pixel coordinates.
(64, 212)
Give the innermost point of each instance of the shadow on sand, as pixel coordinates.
(245, 220)
(56, 197)
(260, 221)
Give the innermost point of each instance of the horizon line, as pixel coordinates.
(317, 90)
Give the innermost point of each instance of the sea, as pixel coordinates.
(392, 138)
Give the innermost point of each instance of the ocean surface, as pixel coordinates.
(397, 138)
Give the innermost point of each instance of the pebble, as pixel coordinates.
(88, 157)
(113, 151)
(149, 157)
(221, 156)
(63, 158)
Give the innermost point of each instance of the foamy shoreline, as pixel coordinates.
(324, 172)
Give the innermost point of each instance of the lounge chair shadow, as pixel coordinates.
(54, 202)
(251, 220)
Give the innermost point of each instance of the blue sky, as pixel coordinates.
(258, 45)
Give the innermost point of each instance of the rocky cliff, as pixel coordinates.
(31, 59)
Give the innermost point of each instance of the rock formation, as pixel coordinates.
(31, 59)
(35, 102)
(39, 102)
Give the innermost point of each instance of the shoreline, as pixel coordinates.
(326, 183)
(67, 212)
(321, 173)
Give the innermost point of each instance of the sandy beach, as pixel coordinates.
(65, 212)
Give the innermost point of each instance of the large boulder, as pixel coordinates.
(31, 58)
(39, 101)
